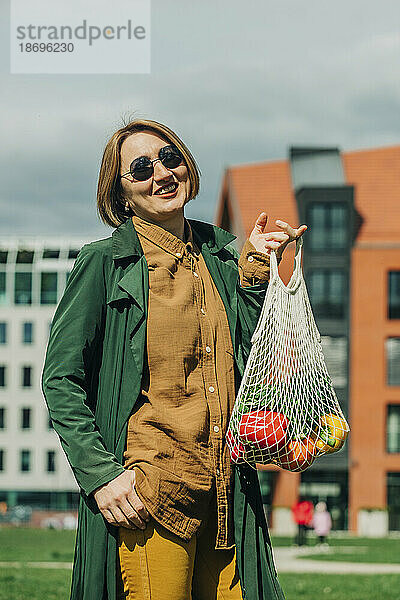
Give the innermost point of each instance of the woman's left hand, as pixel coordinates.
(273, 240)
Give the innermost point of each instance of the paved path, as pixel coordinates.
(287, 561)
(34, 565)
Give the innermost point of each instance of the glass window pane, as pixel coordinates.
(25, 257)
(393, 429)
(48, 288)
(316, 285)
(27, 332)
(3, 333)
(48, 253)
(328, 225)
(73, 253)
(393, 361)
(3, 295)
(1, 460)
(26, 418)
(2, 417)
(394, 295)
(338, 228)
(3, 256)
(326, 289)
(317, 226)
(51, 461)
(335, 353)
(2, 376)
(26, 376)
(25, 460)
(23, 288)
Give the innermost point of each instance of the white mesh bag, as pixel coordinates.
(286, 411)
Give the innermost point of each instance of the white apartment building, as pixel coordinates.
(33, 467)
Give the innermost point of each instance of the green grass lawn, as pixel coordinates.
(45, 545)
(34, 584)
(312, 586)
(352, 549)
(30, 545)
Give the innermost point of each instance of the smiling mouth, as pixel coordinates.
(167, 189)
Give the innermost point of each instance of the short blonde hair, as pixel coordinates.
(110, 203)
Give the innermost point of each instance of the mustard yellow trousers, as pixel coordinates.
(158, 565)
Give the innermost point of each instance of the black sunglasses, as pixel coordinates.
(142, 168)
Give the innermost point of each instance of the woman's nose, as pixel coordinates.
(160, 171)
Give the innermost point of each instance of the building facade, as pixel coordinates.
(351, 263)
(33, 468)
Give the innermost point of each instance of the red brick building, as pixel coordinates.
(351, 204)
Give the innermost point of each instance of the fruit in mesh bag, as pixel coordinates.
(263, 429)
(331, 434)
(298, 455)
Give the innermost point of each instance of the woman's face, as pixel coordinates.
(146, 197)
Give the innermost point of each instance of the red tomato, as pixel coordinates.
(298, 455)
(264, 429)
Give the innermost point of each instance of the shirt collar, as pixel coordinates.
(125, 241)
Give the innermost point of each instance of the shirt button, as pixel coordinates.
(203, 312)
(195, 274)
(216, 428)
(208, 349)
(211, 389)
(250, 258)
(179, 254)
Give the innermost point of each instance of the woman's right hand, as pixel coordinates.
(119, 503)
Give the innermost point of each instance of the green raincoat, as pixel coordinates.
(91, 380)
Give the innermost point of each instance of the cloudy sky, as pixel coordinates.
(239, 81)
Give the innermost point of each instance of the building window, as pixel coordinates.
(335, 353)
(327, 292)
(26, 376)
(393, 361)
(3, 256)
(1, 460)
(51, 461)
(26, 418)
(23, 288)
(2, 417)
(2, 376)
(73, 253)
(25, 257)
(25, 461)
(393, 428)
(3, 333)
(48, 253)
(3, 292)
(49, 423)
(27, 332)
(393, 500)
(48, 288)
(328, 225)
(394, 295)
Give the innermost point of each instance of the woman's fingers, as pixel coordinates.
(293, 233)
(134, 522)
(138, 506)
(119, 504)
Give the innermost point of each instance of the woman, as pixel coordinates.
(145, 354)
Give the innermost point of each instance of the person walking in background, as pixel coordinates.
(302, 513)
(321, 522)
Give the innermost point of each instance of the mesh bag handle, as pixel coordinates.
(286, 411)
